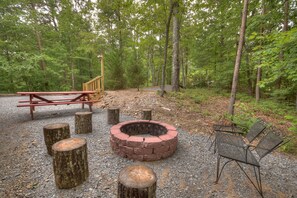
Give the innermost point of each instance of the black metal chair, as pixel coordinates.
(243, 155)
(234, 135)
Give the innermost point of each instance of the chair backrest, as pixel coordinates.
(255, 130)
(268, 143)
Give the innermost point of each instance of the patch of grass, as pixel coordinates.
(246, 110)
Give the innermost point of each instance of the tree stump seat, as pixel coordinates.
(137, 181)
(113, 115)
(147, 114)
(53, 133)
(83, 122)
(70, 162)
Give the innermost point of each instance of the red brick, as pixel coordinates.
(166, 139)
(155, 122)
(134, 141)
(143, 151)
(173, 146)
(162, 149)
(152, 142)
(127, 150)
(167, 154)
(117, 126)
(152, 157)
(172, 133)
(169, 127)
(121, 153)
(136, 157)
(114, 131)
(121, 138)
(113, 144)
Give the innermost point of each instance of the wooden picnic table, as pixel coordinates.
(41, 99)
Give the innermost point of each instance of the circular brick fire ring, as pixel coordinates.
(143, 140)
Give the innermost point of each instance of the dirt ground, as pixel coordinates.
(192, 117)
(131, 102)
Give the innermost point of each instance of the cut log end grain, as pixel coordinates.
(83, 113)
(69, 144)
(56, 126)
(137, 176)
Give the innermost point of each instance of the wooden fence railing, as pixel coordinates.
(96, 84)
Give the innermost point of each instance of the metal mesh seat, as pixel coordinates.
(243, 155)
(231, 137)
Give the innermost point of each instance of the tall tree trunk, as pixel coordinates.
(257, 93)
(175, 39)
(165, 49)
(259, 70)
(238, 57)
(39, 46)
(183, 68)
(248, 71)
(285, 28)
(72, 75)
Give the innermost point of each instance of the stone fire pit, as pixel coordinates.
(143, 140)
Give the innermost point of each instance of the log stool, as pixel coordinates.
(83, 122)
(53, 133)
(113, 115)
(70, 162)
(147, 114)
(137, 181)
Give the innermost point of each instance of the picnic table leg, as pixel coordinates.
(31, 107)
(31, 112)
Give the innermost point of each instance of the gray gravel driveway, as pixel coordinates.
(26, 168)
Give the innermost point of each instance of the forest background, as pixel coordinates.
(53, 45)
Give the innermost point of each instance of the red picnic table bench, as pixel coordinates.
(39, 99)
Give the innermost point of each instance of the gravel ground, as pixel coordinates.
(26, 168)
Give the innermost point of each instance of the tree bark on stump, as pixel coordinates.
(83, 122)
(137, 181)
(147, 114)
(113, 115)
(53, 133)
(70, 162)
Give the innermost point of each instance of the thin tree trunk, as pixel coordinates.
(72, 75)
(238, 58)
(183, 68)
(165, 49)
(259, 74)
(285, 28)
(259, 70)
(296, 101)
(248, 72)
(175, 39)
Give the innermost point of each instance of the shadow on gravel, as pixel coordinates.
(50, 114)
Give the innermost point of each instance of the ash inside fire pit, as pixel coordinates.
(144, 128)
(143, 140)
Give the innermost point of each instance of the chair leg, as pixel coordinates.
(219, 172)
(218, 168)
(258, 185)
(258, 179)
(213, 143)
